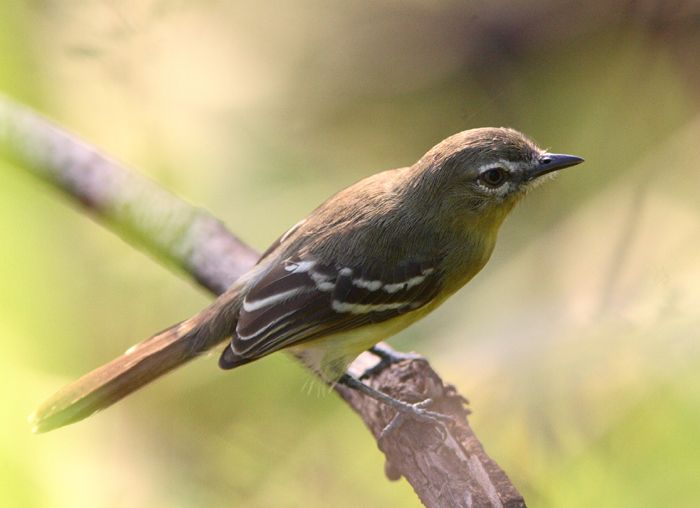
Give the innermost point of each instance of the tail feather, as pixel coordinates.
(140, 365)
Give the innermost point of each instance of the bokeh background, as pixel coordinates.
(578, 344)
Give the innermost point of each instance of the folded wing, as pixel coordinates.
(301, 299)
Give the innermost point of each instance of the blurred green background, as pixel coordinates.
(577, 345)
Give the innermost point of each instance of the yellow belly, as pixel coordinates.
(330, 356)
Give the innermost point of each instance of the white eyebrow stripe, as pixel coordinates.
(499, 164)
(358, 308)
(270, 300)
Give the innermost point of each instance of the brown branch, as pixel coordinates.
(446, 467)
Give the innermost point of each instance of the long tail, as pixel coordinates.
(141, 364)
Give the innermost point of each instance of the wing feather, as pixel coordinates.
(301, 299)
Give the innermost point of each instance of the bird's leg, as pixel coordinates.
(387, 357)
(403, 409)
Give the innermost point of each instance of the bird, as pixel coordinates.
(365, 264)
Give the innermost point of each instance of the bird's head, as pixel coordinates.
(480, 174)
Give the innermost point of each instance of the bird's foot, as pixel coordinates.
(415, 411)
(387, 357)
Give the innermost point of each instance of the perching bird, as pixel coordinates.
(367, 263)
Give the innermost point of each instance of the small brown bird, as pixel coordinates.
(365, 264)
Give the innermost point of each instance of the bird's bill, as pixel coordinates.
(553, 162)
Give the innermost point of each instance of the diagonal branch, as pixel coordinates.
(445, 468)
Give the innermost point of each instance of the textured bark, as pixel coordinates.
(446, 466)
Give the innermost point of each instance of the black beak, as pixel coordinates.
(552, 162)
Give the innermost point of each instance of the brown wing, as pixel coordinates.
(303, 299)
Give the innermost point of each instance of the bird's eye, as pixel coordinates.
(494, 177)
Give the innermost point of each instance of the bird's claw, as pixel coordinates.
(387, 357)
(417, 412)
